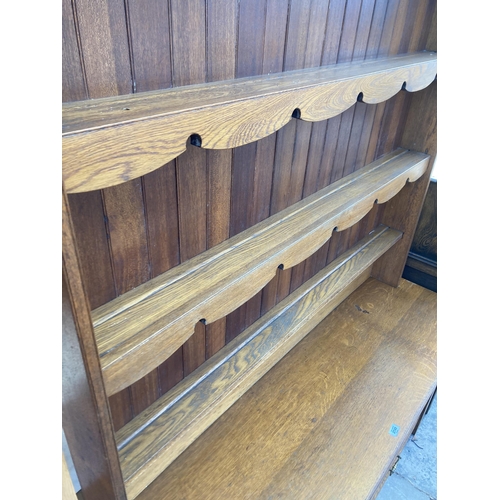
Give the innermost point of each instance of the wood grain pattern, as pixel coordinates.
(403, 212)
(332, 400)
(303, 50)
(86, 417)
(153, 320)
(252, 167)
(107, 61)
(154, 439)
(104, 47)
(110, 141)
(150, 40)
(122, 47)
(74, 87)
(149, 24)
(87, 214)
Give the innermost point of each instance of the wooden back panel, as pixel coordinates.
(131, 233)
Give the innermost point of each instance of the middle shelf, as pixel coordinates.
(140, 329)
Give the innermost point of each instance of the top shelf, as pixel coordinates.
(112, 140)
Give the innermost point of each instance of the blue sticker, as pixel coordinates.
(394, 430)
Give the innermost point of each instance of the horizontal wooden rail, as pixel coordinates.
(140, 329)
(112, 140)
(150, 442)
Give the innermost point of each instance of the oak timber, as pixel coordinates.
(402, 212)
(140, 329)
(151, 441)
(112, 140)
(317, 425)
(86, 417)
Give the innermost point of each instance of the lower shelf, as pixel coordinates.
(157, 436)
(328, 420)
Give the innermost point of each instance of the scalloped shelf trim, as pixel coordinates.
(142, 328)
(158, 435)
(109, 141)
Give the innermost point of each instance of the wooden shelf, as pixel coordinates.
(318, 424)
(112, 140)
(140, 329)
(150, 442)
(300, 404)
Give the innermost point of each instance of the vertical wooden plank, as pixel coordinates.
(108, 69)
(341, 125)
(105, 49)
(92, 241)
(221, 65)
(86, 417)
(296, 43)
(241, 200)
(291, 144)
(357, 129)
(409, 27)
(219, 201)
(384, 49)
(251, 37)
(312, 57)
(125, 213)
(352, 47)
(127, 228)
(365, 44)
(150, 44)
(251, 30)
(273, 60)
(391, 44)
(160, 196)
(188, 45)
(87, 208)
(323, 136)
(150, 47)
(420, 133)
(171, 372)
(192, 196)
(366, 133)
(392, 123)
(326, 133)
(221, 39)
(189, 67)
(74, 86)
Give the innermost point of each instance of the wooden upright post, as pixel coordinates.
(402, 211)
(86, 416)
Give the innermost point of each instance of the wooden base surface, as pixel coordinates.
(320, 424)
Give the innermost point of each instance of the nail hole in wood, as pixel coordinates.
(403, 87)
(360, 97)
(126, 109)
(281, 266)
(296, 113)
(336, 228)
(376, 201)
(195, 140)
(203, 320)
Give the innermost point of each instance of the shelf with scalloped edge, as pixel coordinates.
(156, 437)
(140, 329)
(112, 140)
